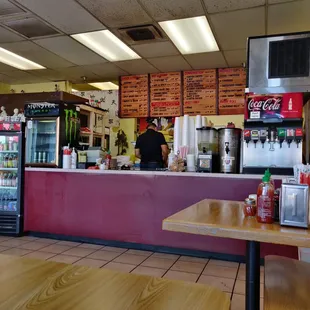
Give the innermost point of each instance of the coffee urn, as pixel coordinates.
(229, 149)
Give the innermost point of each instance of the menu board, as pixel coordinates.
(199, 92)
(166, 94)
(134, 93)
(232, 83)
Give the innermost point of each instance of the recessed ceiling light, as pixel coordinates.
(107, 45)
(105, 85)
(191, 35)
(74, 90)
(17, 61)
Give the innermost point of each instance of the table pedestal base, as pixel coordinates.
(252, 298)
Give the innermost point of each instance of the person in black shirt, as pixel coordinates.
(151, 147)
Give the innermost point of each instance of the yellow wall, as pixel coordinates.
(4, 88)
(222, 120)
(42, 87)
(129, 126)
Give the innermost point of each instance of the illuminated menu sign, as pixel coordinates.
(200, 92)
(165, 94)
(232, 82)
(134, 93)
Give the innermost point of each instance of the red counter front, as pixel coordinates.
(130, 206)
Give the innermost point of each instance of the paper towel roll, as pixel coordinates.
(190, 161)
(66, 161)
(198, 121)
(177, 135)
(185, 131)
(204, 121)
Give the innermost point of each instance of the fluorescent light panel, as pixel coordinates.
(191, 35)
(105, 85)
(74, 90)
(17, 61)
(107, 45)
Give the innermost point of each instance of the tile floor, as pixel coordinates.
(227, 276)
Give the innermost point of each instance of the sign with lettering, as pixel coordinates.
(166, 94)
(232, 83)
(199, 92)
(41, 109)
(134, 96)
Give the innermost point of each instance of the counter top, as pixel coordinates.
(159, 173)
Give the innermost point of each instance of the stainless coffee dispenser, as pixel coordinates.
(207, 139)
(229, 149)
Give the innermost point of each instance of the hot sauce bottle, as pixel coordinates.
(265, 200)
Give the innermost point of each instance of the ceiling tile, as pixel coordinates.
(37, 54)
(279, 1)
(171, 63)
(235, 58)
(216, 6)
(107, 71)
(6, 79)
(233, 28)
(68, 16)
(23, 77)
(206, 60)
(7, 36)
(117, 13)
(49, 75)
(30, 27)
(162, 10)
(140, 66)
(76, 74)
(157, 49)
(70, 50)
(8, 8)
(4, 68)
(289, 17)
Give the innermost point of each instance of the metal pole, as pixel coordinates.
(252, 275)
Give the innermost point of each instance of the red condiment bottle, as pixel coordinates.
(265, 201)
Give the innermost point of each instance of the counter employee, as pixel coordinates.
(151, 147)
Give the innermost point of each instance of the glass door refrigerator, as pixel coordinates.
(12, 137)
(49, 127)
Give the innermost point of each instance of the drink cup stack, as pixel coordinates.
(185, 131)
(177, 135)
(198, 124)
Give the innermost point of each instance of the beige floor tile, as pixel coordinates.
(261, 304)
(3, 238)
(89, 262)
(104, 255)
(183, 276)
(3, 248)
(67, 259)
(13, 242)
(114, 249)
(149, 271)
(16, 252)
(239, 287)
(193, 259)
(220, 271)
(238, 302)
(166, 256)
(40, 255)
(80, 252)
(33, 245)
(119, 266)
(69, 243)
(130, 259)
(28, 238)
(55, 248)
(140, 252)
(188, 267)
(90, 246)
(47, 241)
(223, 263)
(241, 275)
(224, 284)
(157, 262)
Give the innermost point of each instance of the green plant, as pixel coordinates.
(121, 142)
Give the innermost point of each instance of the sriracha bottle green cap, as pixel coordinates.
(266, 177)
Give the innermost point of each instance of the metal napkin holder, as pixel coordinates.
(294, 206)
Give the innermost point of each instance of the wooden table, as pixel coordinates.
(222, 218)
(40, 285)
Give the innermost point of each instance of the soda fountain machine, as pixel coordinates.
(273, 133)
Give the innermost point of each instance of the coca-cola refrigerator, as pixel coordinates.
(273, 133)
(12, 150)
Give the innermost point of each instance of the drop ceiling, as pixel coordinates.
(40, 31)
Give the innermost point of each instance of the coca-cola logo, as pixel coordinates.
(269, 104)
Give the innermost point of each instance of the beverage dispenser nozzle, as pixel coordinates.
(263, 137)
(247, 136)
(227, 147)
(290, 134)
(271, 139)
(281, 136)
(255, 136)
(298, 135)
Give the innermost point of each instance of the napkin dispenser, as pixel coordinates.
(294, 207)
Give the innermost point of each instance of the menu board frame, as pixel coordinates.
(121, 107)
(180, 104)
(211, 75)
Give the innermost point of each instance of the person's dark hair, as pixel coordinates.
(151, 125)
